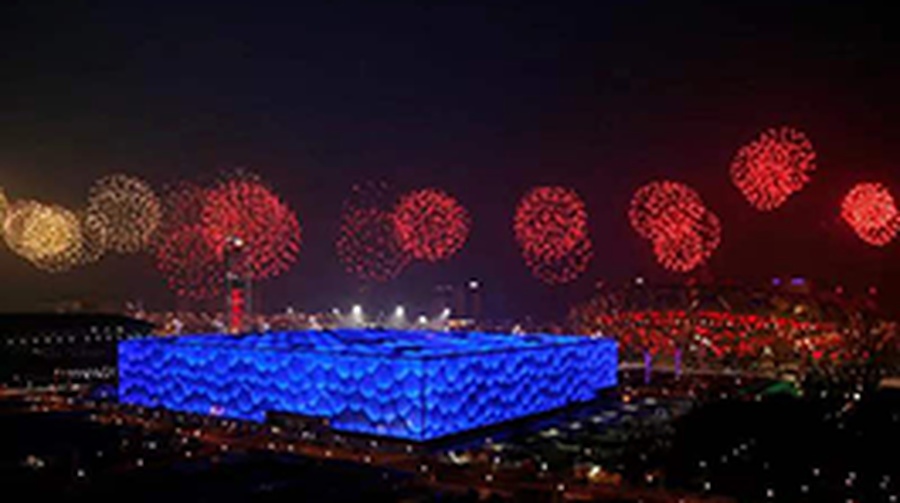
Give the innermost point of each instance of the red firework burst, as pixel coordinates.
(182, 206)
(370, 194)
(551, 228)
(431, 225)
(245, 208)
(550, 222)
(672, 215)
(659, 208)
(368, 246)
(191, 266)
(183, 254)
(870, 209)
(563, 269)
(686, 247)
(779, 163)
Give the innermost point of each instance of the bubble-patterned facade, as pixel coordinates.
(410, 385)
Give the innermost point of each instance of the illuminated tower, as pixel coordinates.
(474, 300)
(459, 303)
(238, 293)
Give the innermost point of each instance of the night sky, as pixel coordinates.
(481, 101)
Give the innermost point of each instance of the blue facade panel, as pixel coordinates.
(410, 385)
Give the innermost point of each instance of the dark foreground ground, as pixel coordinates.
(753, 444)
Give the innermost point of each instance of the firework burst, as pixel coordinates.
(684, 233)
(551, 227)
(563, 269)
(130, 210)
(190, 265)
(243, 207)
(770, 169)
(431, 224)
(48, 236)
(550, 222)
(870, 210)
(368, 246)
(4, 205)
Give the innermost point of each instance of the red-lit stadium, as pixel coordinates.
(788, 325)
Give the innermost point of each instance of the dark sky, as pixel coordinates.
(483, 101)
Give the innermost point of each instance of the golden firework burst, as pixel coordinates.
(4, 205)
(130, 209)
(48, 236)
(95, 235)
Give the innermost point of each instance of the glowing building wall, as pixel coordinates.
(409, 385)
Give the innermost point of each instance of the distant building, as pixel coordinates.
(368, 382)
(793, 284)
(444, 298)
(464, 300)
(42, 347)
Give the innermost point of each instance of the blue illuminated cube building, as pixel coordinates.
(409, 385)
